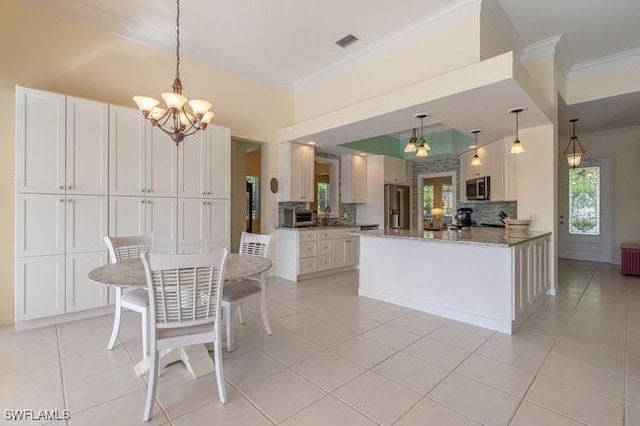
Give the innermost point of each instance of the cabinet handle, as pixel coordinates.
(70, 200)
(149, 202)
(142, 201)
(70, 187)
(61, 186)
(62, 200)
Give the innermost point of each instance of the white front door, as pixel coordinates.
(585, 207)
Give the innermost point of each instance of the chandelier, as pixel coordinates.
(574, 156)
(177, 120)
(475, 161)
(517, 147)
(417, 142)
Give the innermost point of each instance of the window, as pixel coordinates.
(584, 201)
(427, 200)
(324, 198)
(254, 204)
(447, 200)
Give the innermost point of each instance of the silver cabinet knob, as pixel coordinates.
(70, 187)
(141, 201)
(62, 200)
(61, 187)
(70, 200)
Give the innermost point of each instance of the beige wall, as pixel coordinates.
(48, 52)
(436, 53)
(622, 146)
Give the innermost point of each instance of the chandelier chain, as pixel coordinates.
(178, 38)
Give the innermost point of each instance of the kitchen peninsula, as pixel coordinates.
(481, 276)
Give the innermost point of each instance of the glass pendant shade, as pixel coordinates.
(517, 147)
(199, 106)
(157, 113)
(145, 103)
(207, 117)
(574, 150)
(574, 159)
(475, 161)
(422, 151)
(174, 100)
(411, 146)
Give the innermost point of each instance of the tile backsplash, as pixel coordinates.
(489, 211)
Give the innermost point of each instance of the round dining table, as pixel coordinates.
(130, 273)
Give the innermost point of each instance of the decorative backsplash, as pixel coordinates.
(489, 211)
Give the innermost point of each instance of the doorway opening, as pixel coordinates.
(436, 200)
(246, 189)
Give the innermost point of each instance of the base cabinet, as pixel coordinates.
(40, 287)
(80, 293)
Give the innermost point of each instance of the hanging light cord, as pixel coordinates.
(517, 125)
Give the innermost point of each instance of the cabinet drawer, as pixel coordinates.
(304, 236)
(308, 266)
(325, 234)
(324, 247)
(325, 262)
(308, 249)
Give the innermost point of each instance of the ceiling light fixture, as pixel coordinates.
(574, 156)
(176, 120)
(411, 146)
(312, 143)
(475, 161)
(423, 146)
(517, 147)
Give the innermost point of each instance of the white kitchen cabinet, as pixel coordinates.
(142, 158)
(127, 216)
(87, 157)
(510, 180)
(496, 171)
(395, 170)
(498, 164)
(351, 251)
(204, 164)
(204, 223)
(40, 287)
(353, 179)
(338, 252)
(40, 224)
(80, 293)
(138, 215)
(40, 141)
(86, 223)
(296, 172)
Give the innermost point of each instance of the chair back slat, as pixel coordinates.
(185, 290)
(255, 244)
(127, 248)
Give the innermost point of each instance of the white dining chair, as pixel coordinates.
(185, 293)
(127, 248)
(236, 292)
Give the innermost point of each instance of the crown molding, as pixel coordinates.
(98, 18)
(606, 63)
(553, 46)
(427, 25)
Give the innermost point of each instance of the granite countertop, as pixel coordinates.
(308, 228)
(476, 236)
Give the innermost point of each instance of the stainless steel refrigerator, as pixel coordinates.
(396, 207)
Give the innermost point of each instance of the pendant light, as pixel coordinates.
(411, 146)
(176, 120)
(517, 147)
(475, 161)
(423, 146)
(574, 155)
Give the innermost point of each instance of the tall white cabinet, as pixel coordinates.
(295, 172)
(86, 169)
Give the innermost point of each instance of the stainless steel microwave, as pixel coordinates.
(479, 188)
(297, 218)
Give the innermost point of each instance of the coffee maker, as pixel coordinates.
(464, 217)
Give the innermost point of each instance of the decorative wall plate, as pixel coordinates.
(274, 185)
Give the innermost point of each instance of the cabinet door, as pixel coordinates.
(338, 252)
(351, 251)
(87, 147)
(40, 141)
(161, 164)
(193, 219)
(80, 293)
(87, 223)
(219, 165)
(359, 179)
(127, 168)
(218, 224)
(127, 216)
(193, 172)
(161, 222)
(40, 224)
(496, 164)
(307, 174)
(40, 287)
(465, 173)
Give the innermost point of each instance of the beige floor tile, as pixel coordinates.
(249, 365)
(302, 304)
(437, 353)
(378, 397)
(457, 337)
(291, 349)
(324, 313)
(413, 373)
(383, 312)
(429, 412)
(363, 351)
(632, 415)
(276, 312)
(328, 411)
(576, 403)
(391, 336)
(91, 325)
(328, 370)
(496, 374)
(30, 380)
(75, 344)
(84, 365)
(589, 355)
(532, 415)
(183, 394)
(298, 322)
(633, 391)
(327, 335)
(355, 322)
(470, 328)
(126, 410)
(236, 412)
(283, 394)
(527, 340)
(513, 354)
(482, 403)
(102, 387)
(19, 356)
(49, 398)
(586, 376)
(414, 323)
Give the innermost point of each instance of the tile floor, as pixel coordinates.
(339, 359)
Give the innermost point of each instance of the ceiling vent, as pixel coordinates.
(347, 40)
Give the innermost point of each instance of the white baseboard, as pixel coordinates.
(61, 319)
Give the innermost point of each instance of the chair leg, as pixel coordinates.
(145, 333)
(228, 320)
(116, 319)
(217, 359)
(153, 382)
(263, 309)
(240, 315)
